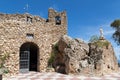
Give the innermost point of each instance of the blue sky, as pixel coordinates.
(85, 17)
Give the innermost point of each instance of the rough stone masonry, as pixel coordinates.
(28, 38)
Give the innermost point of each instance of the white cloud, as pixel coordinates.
(95, 30)
(107, 29)
(117, 52)
(54, 6)
(108, 32)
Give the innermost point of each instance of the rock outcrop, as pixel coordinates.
(74, 56)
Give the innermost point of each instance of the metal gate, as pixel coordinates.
(24, 61)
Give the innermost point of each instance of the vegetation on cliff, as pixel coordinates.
(53, 54)
(99, 43)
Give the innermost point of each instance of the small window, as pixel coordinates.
(58, 20)
(47, 20)
(30, 36)
(29, 19)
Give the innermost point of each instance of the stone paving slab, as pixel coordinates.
(58, 76)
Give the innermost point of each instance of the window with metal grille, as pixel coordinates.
(58, 20)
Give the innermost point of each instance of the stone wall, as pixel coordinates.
(13, 33)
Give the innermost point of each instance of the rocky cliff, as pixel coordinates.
(74, 56)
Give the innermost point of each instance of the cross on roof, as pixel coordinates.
(26, 7)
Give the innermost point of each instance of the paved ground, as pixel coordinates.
(57, 76)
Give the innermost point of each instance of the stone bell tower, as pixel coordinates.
(58, 23)
(57, 18)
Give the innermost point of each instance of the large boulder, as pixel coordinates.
(70, 54)
(74, 56)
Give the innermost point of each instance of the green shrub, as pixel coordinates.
(53, 54)
(93, 38)
(6, 71)
(3, 58)
(51, 59)
(102, 44)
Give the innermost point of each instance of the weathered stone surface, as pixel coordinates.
(13, 34)
(77, 57)
(72, 51)
(102, 57)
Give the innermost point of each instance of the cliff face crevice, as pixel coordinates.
(74, 56)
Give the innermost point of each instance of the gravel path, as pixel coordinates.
(58, 76)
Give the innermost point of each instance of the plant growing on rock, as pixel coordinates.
(3, 58)
(94, 38)
(102, 44)
(53, 54)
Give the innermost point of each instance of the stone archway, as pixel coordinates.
(28, 57)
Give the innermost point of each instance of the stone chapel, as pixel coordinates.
(28, 39)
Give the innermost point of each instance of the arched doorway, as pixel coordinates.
(28, 57)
